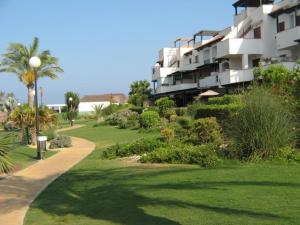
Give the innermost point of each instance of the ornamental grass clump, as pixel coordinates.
(264, 126)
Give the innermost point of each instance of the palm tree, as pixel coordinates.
(139, 93)
(5, 146)
(16, 61)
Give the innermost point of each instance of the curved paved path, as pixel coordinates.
(18, 191)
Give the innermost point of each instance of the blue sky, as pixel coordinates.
(103, 45)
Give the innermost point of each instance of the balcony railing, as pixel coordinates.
(288, 38)
(174, 88)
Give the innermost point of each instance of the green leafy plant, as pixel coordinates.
(139, 93)
(149, 119)
(72, 103)
(61, 142)
(167, 134)
(207, 130)
(165, 106)
(263, 126)
(5, 147)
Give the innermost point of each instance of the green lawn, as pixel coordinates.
(101, 192)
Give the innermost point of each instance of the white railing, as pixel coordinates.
(235, 76)
(173, 88)
(287, 38)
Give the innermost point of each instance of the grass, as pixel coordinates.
(101, 192)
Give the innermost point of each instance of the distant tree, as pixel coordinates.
(8, 102)
(139, 93)
(72, 105)
(98, 111)
(16, 61)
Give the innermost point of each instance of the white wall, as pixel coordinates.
(89, 106)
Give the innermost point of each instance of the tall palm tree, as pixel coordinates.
(16, 61)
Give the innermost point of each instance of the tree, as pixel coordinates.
(8, 102)
(72, 104)
(5, 146)
(16, 61)
(98, 111)
(139, 93)
(165, 106)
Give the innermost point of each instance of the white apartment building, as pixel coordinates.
(263, 31)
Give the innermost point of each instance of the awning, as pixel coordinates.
(209, 93)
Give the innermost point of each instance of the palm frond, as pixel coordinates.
(5, 147)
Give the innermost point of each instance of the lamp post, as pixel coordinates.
(71, 112)
(35, 63)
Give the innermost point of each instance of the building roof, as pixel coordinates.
(210, 42)
(252, 3)
(114, 98)
(207, 33)
(286, 9)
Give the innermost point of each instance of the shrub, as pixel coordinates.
(207, 130)
(10, 126)
(61, 142)
(149, 119)
(124, 119)
(221, 112)
(167, 134)
(224, 100)
(181, 111)
(164, 107)
(185, 122)
(137, 109)
(203, 155)
(50, 133)
(264, 125)
(173, 118)
(139, 147)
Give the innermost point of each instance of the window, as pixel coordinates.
(281, 26)
(292, 20)
(196, 59)
(257, 33)
(190, 60)
(298, 20)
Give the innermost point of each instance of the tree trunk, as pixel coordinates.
(31, 96)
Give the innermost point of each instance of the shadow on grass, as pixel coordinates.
(115, 195)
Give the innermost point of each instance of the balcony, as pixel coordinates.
(239, 46)
(208, 82)
(287, 39)
(159, 72)
(235, 76)
(174, 88)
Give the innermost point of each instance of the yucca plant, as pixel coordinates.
(5, 147)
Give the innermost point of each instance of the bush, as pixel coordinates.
(124, 119)
(149, 119)
(221, 112)
(207, 130)
(181, 111)
(264, 125)
(137, 109)
(50, 133)
(10, 126)
(224, 100)
(164, 107)
(203, 155)
(167, 134)
(61, 142)
(185, 122)
(136, 148)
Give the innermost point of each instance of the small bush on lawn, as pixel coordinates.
(124, 119)
(10, 126)
(181, 111)
(139, 147)
(164, 107)
(203, 155)
(207, 130)
(50, 133)
(149, 119)
(61, 142)
(264, 126)
(167, 134)
(185, 122)
(221, 112)
(224, 100)
(137, 109)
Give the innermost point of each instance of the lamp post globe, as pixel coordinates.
(35, 62)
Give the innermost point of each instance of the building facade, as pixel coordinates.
(263, 32)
